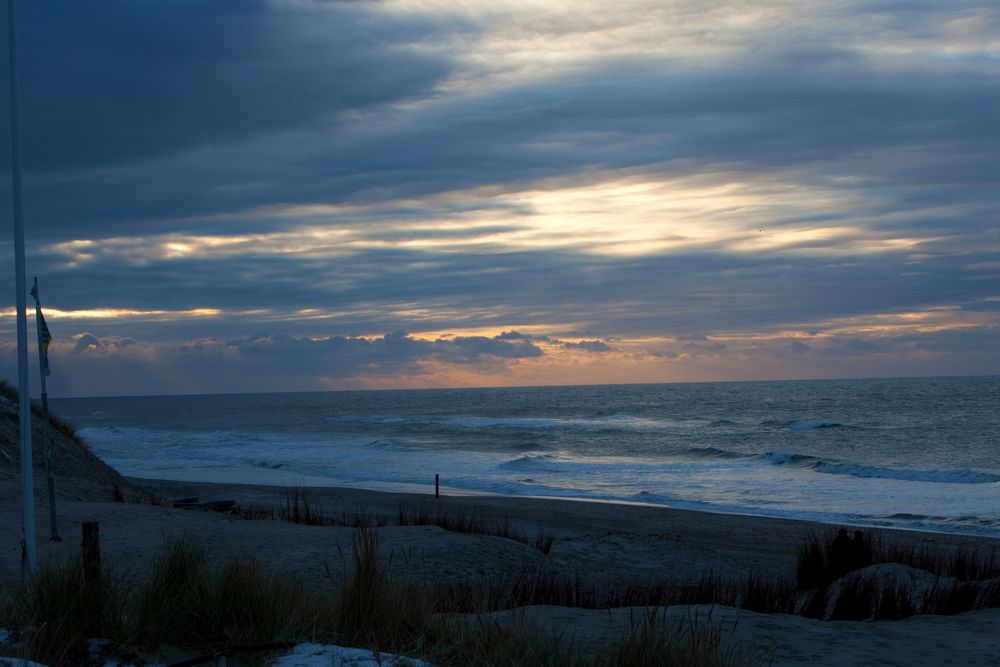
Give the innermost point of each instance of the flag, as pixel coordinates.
(44, 338)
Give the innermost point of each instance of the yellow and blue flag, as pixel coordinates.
(44, 337)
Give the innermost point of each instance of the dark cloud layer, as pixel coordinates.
(144, 120)
(123, 80)
(290, 105)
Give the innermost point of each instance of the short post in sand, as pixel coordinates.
(44, 338)
(437, 485)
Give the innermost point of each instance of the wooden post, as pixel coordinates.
(91, 551)
(437, 485)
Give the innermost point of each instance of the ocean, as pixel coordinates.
(914, 453)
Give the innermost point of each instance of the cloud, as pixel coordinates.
(86, 341)
(259, 103)
(146, 79)
(88, 365)
(564, 173)
(588, 346)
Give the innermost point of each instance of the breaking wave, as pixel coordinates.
(813, 424)
(960, 476)
(946, 476)
(538, 462)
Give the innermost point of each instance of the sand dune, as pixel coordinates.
(594, 541)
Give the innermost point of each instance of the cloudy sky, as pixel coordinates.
(271, 195)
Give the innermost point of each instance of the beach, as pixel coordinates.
(594, 542)
(913, 453)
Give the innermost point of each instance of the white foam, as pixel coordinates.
(777, 483)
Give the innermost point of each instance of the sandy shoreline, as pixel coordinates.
(598, 542)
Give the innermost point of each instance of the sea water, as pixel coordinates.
(919, 453)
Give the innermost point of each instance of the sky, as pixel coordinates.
(282, 195)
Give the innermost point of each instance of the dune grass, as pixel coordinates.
(969, 579)
(655, 640)
(961, 562)
(182, 601)
(548, 587)
(11, 393)
(60, 610)
(299, 508)
(185, 600)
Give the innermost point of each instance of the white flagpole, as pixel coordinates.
(27, 474)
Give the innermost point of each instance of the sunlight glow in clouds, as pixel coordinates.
(120, 313)
(627, 217)
(306, 194)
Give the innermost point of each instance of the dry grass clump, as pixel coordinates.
(484, 642)
(61, 609)
(548, 587)
(374, 611)
(655, 641)
(469, 522)
(967, 579)
(299, 509)
(182, 601)
(185, 600)
(134, 495)
(11, 393)
(814, 568)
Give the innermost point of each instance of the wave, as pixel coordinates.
(957, 476)
(968, 523)
(942, 476)
(712, 453)
(812, 424)
(782, 459)
(906, 516)
(801, 424)
(270, 465)
(389, 445)
(539, 462)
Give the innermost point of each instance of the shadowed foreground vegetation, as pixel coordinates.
(186, 601)
(960, 579)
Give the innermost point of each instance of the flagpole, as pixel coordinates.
(27, 474)
(43, 370)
